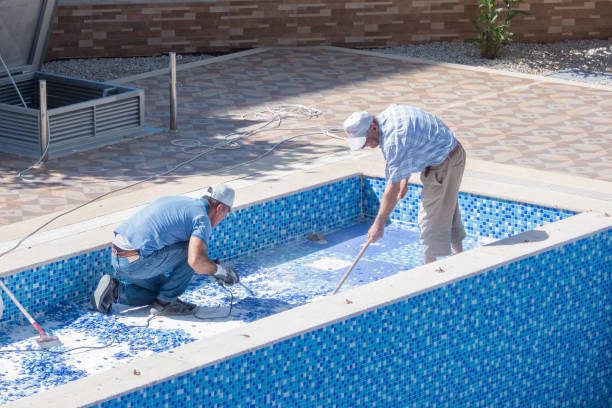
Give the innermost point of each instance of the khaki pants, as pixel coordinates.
(439, 215)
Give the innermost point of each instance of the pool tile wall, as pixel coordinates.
(535, 332)
(43, 288)
(482, 216)
(250, 229)
(267, 224)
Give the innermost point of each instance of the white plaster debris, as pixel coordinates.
(329, 264)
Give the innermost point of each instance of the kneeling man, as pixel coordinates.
(156, 251)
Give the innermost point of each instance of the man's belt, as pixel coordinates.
(124, 253)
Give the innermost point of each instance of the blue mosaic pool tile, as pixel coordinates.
(482, 216)
(43, 288)
(288, 218)
(536, 332)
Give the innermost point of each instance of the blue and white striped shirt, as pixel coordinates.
(412, 139)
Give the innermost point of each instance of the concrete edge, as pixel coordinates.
(189, 65)
(421, 61)
(319, 313)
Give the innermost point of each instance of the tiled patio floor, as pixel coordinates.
(511, 119)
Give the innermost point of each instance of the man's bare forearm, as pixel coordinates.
(198, 258)
(388, 202)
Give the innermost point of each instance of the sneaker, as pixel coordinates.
(105, 294)
(178, 307)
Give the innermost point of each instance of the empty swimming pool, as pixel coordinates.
(267, 244)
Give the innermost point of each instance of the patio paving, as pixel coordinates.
(533, 122)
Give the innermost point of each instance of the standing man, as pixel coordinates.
(156, 251)
(413, 140)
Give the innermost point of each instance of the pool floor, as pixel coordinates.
(280, 280)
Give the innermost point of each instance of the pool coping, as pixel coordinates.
(586, 196)
(494, 180)
(500, 181)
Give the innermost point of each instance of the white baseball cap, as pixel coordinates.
(356, 127)
(221, 193)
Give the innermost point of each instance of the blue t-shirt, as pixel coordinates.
(166, 221)
(412, 139)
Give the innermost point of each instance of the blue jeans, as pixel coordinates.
(165, 274)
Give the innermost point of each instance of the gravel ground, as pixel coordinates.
(106, 69)
(583, 60)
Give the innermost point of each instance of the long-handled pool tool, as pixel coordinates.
(44, 340)
(348, 272)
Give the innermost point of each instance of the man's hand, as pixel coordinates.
(403, 189)
(225, 274)
(390, 197)
(376, 232)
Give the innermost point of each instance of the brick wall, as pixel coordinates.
(105, 28)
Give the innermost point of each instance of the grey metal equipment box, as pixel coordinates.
(81, 114)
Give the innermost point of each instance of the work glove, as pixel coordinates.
(225, 275)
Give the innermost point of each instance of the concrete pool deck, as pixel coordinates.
(522, 120)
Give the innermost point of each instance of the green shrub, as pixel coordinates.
(492, 24)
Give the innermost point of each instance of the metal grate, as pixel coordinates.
(82, 114)
(114, 116)
(19, 129)
(9, 95)
(61, 93)
(72, 125)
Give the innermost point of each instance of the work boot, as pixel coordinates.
(177, 308)
(106, 293)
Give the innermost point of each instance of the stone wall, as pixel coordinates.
(106, 28)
